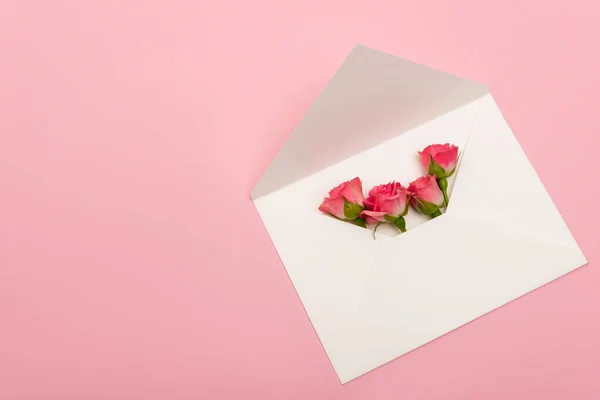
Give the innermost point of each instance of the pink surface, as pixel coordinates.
(132, 262)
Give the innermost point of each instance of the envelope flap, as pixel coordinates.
(373, 97)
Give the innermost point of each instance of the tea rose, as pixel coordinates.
(426, 196)
(346, 201)
(387, 203)
(439, 159)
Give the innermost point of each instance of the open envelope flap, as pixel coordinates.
(372, 97)
(497, 181)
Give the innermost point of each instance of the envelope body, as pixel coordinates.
(371, 301)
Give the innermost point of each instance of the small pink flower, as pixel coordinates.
(386, 203)
(345, 201)
(439, 159)
(426, 195)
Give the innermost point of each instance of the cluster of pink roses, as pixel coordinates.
(388, 203)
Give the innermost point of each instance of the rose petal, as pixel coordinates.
(376, 216)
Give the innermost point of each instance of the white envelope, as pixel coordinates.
(371, 301)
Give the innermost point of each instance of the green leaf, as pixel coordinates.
(400, 224)
(351, 210)
(389, 218)
(359, 222)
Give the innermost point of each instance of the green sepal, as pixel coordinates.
(359, 222)
(426, 207)
(436, 214)
(449, 174)
(389, 218)
(400, 224)
(405, 209)
(437, 170)
(351, 210)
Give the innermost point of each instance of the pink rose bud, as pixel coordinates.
(439, 159)
(426, 195)
(387, 203)
(345, 201)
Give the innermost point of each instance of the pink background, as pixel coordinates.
(132, 262)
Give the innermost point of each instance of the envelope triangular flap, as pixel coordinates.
(373, 97)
